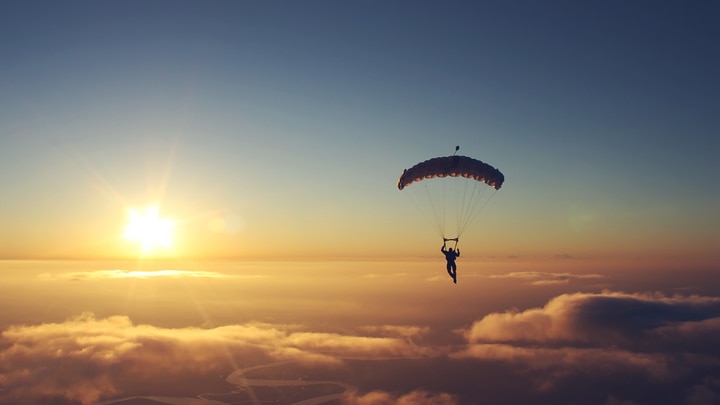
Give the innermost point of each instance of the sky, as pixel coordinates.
(199, 202)
(280, 130)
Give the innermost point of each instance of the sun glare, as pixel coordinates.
(149, 230)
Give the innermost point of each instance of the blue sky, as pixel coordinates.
(298, 117)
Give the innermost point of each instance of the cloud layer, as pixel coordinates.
(545, 278)
(595, 348)
(609, 318)
(81, 360)
(606, 337)
(413, 398)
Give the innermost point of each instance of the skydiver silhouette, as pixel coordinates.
(450, 256)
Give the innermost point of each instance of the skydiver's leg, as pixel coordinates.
(454, 273)
(449, 269)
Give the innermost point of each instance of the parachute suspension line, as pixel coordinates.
(436, 213)
(450, 198)
(459, 204)
(442, 222)
(469, 206)
(466, 199)
(461, 208)
(422, 207)
(481, 208)
(479, 200)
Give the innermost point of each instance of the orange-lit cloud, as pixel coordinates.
(36, 360)
(548, 365)
(604, 336)
(615, 347)
(109, 274)
(545, 278)
(606, 318)
(412, 398)
(397, 330)
(352, 346)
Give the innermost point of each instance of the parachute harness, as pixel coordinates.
(456, 240)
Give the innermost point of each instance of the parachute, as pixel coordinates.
(451, 191)
(453, 166)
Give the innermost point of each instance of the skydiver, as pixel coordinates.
(450, 256)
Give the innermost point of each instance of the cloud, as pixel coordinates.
(346, 346)
(396, 330)
(608, 338)
(614, 401)
(608, 318)
(84, 358)
(418, 397)
(705, 393)
(604, 348)
(545, 278)
(550, 364)
(106, 274)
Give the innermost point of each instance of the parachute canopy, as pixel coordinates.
(453, 166)
(452, 191)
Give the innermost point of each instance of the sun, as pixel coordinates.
(149, 230)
